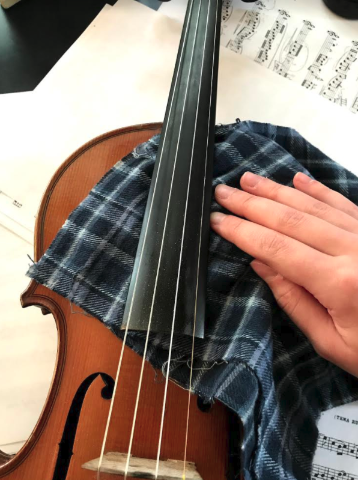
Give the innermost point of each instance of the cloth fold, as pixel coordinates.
(253, 358)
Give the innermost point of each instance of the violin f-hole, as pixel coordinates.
(69, 432)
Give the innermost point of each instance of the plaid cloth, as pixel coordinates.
(253, 358)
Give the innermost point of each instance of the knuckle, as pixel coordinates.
(348, 280)
(233, 193)
(289, 300)
(291, 218)
(319, 209)
(248, 202)
(234, 225)
(275, 191)
(353, 211)
(272, 244)
(318, 187)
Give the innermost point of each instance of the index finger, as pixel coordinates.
(301, 200)
(295, 261)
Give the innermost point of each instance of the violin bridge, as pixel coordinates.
(115, 464)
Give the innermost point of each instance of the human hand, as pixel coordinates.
(305, 242)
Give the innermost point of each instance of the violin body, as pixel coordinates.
(71, 427)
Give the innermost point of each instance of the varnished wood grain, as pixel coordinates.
(85, 347)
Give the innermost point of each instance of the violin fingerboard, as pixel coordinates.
(168, 284)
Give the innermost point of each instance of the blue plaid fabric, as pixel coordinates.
(253, 358)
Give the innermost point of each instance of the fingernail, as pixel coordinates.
(216, 218)
(302, 178)
(250, 179)
(223, 191)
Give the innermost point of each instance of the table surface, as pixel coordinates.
(34, 34)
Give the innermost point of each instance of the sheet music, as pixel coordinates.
(15, 218)
(17, 213)
(340, 447)
(28, 343)
(336, 455)
(327, 473)
(290, 38)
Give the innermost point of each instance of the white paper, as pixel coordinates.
(28, 342)
(289, 37)
(14, 165)
(336, 456)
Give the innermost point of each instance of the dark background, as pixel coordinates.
(34, 34)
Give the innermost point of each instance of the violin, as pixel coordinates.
(108, 413)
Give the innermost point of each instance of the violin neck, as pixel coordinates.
(168, 284)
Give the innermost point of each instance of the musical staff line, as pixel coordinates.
(313, 77)
(294, 49)
(333, 91)
(302, 50)
(326, 473)
(246, 28)
(273, 36)
(340, 447)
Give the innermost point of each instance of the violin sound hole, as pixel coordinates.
(107, 390)
(69, 433)
(203, 406)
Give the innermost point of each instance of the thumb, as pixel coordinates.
(303, 309)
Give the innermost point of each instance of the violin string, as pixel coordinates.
(183, 231)
(200, 240)
(111, 406)
(160, 257)
(139, 266)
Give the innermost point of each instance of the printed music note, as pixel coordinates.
(227, 10)
(294, 48)
(337, 446)
(247, 27)
(273, 37)
(333, 90)
(326, 473)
